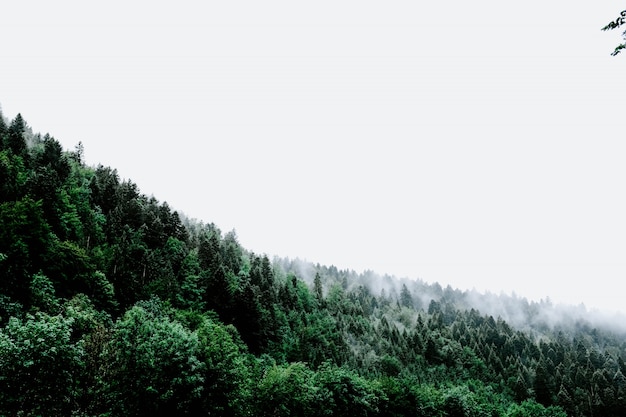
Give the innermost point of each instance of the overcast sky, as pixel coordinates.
(479, 144)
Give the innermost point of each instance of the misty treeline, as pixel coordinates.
(111, 304)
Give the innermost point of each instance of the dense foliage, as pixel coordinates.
(112, 305)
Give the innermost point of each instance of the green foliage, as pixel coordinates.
(530, 408)
(69, 268)
(102, 292)
(25, 241)
(192, 292)
(289, 390)
(343, 392)
(226, 369)
(12, 176)
(9, 308)
(40, 366)
(3, 131)
(406, 299)
(152, 365)
(390, 366)
(111, 305)
(86, 317)
(15, 136)
(42, 294)
(400, 395)
(317, 288)
(460, 401)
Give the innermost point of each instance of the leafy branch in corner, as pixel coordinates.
(615, 24)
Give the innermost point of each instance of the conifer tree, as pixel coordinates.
(317, 287)
(15, 139)
(406, 299)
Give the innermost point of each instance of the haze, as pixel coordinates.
(475, 144)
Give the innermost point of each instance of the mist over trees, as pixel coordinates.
(113, 304)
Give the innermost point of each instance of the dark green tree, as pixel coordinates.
(192, 292)
(15, 139)
(151, 365)
(288, 390)
(317, 288)
(544, 383)
(103, 189)
(344, 393)
(24, 240)
(52, 156)
(40, 366)
(13, 176)
(406, 299)
(42, 294)
(3, 131)
(226, 372)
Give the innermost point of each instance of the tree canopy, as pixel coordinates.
(111, 304)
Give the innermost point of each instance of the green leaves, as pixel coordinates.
(15, 136)
(226, 371)
(12, 176)
(294, 389)
(42, 294)
(530, 408)
(80, 249)
(152, 364)
(40, 366)
(343, 392)
(25, 241)
(288, 390)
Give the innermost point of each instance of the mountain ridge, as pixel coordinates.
(113, 304)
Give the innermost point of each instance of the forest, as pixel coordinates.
(113, 304)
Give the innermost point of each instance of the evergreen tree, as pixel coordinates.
(544, 385)
(110, 305)
(3, 132)
(317, 288)
(406, 299)
(15, 136)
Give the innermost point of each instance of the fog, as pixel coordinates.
(523, 314)
(475, 145)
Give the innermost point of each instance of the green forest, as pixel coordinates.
(113, 304)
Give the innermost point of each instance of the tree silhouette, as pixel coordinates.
(621, 20)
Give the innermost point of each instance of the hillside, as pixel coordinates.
(113, 304)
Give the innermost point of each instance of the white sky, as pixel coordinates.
(478, 144)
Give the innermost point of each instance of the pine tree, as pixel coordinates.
(317, 287)
(15, 136)
(3, 131)
(406, 299)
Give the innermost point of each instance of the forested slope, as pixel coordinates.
(111, 304)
